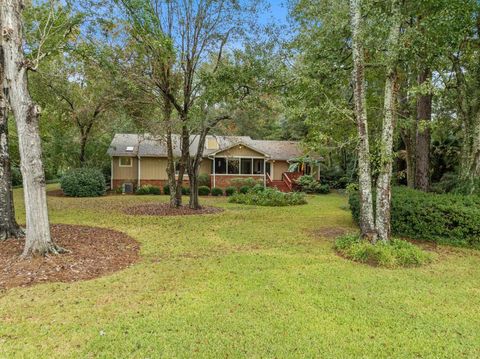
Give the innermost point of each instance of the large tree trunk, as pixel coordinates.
(422, 142)
(384, 190)
(9, 227)
(194, 168)
(367, 224)
(38, 240)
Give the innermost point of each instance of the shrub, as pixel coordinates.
(229, 191)
(148, 189)
(166, 189)
(83, 182)
(203, 191)
(269, 197)
(442, 218)
(258, 188)
(245, 189)
(204, 180)
(217, 191)
(244, 182)
(308, 184)
(395, 253)
(16, 176)
(185, 191)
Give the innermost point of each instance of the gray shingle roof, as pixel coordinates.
(149, 146)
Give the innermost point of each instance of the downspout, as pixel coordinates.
(139, 171)
(214, 173)
(111, 173)
(264, 174)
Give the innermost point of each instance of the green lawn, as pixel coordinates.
(249, 282)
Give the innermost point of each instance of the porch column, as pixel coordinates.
(264, 173)
(214, 184)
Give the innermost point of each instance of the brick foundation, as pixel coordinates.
(224, 181)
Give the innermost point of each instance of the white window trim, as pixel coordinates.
(120, 161)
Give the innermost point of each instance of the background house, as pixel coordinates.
(142, 159)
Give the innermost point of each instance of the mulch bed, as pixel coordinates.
(94, 252)
(163, 209)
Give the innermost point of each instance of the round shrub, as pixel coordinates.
(166, 189)
(258, 188)
(185, 191)
(203, 191)
(244, 189)
(217, 191)
(323, 189)
(83, 182)
(147, 189)
(230, 191)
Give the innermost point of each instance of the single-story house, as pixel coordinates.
(137, 160)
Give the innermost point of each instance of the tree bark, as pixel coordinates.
(26, 113)
(9, 227)
(384, 191)
(422, 140)
(193, 170)
(367, 224)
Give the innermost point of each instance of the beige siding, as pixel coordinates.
(153, 168)
(129, 173)
(240, 151)
(278, 168)
(205, 166)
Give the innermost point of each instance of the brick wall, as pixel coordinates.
(224, 181)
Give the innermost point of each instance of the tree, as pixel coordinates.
(367, 222)
(26, 113)
(384, 192)
(8, 224)
(191, 33)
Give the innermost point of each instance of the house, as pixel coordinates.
(137, 160)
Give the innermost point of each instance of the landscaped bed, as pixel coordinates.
(163, 209)
(93, 252)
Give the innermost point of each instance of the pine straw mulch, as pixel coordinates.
(163, 209)
(94, 252)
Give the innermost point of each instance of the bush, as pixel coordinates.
(442, 218)
(83, 182)
(269, 197)
(185, 191)
(308, 184)
(229, 191)
(203, 191)
(258, 188)
(166, 190)
(245, 189)
(395, 253)
(217, 191)
(16, 176)
(204, 180)
(148, 189)
(244, 182)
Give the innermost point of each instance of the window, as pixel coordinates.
(258, 166)
(212, 143)
(268, 167)
(125, 161)
(246, 166)
(220, 166)
(177, 167)
(233, 166)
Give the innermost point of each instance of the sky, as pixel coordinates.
(278, 12)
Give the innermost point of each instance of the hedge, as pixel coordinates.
(269, 197)
(148, 189)
(203, 191)
(83, 182)
(442, 218)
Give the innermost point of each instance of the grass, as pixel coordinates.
(394, 253)
(249, 282)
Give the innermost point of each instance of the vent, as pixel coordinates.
(129, 149)
(212, 143)
(127, 188)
